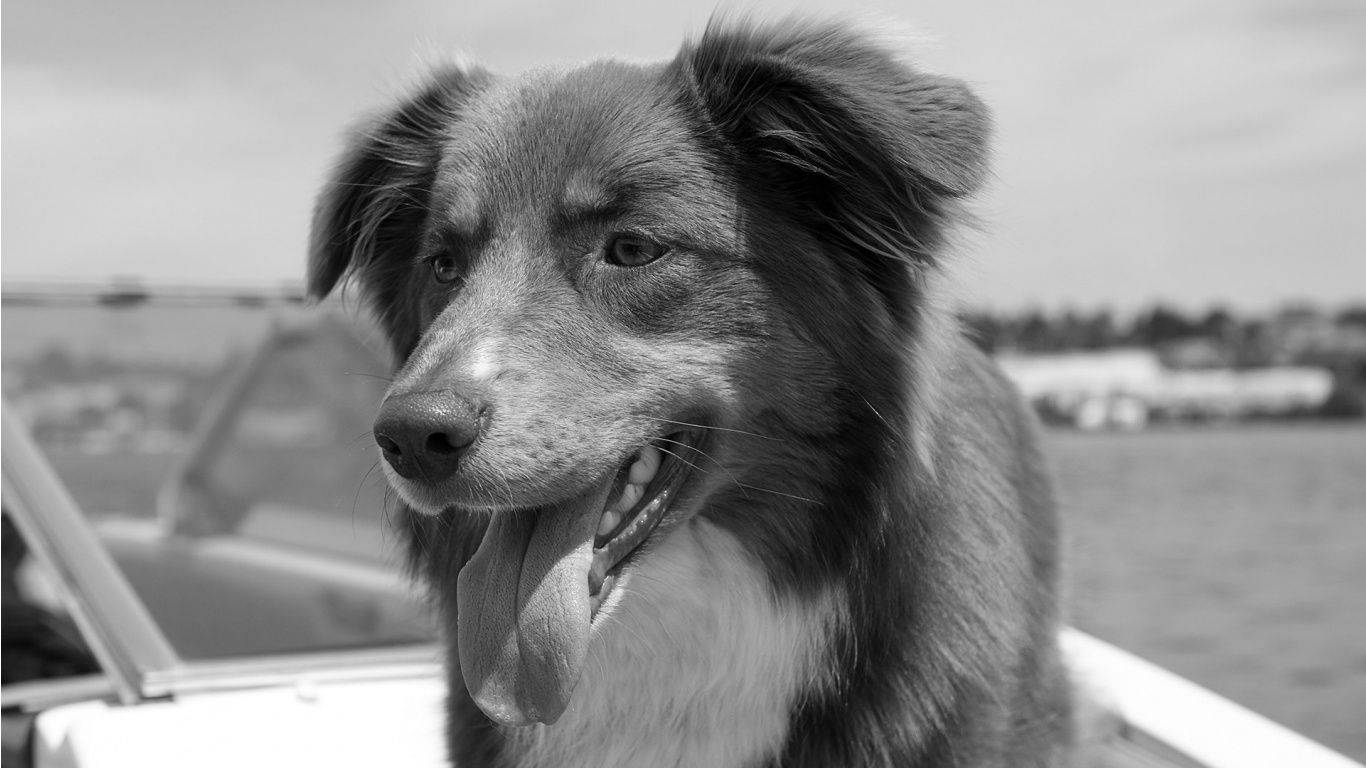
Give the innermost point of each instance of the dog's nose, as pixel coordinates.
(422, 434)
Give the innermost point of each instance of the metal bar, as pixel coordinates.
(1170, 715)
(122, 635)
(38, 695)
(135, 293)
(380, 663)
(183, 486)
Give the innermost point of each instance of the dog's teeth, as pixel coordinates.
(629, 496)
(645, 465)
(610, 520)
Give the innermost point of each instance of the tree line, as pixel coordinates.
(1251, 339)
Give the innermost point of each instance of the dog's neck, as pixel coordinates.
(700, 666)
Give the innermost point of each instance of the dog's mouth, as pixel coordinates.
(643, 489)
(527, 598)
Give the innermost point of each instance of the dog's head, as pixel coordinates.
(611, 286)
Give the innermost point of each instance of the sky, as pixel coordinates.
(1185, 151)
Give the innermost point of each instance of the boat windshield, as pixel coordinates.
(219, 446)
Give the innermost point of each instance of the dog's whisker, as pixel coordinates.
(507, 492)
(875, 411)
(719, 465)
(694, 449)
(363, 374)
(386, 524)
(685, 461)
(417, 534)
(641, 640)
(776, 493)
(391, 508)
(734, 479)
(355, 498)
(721, 429)
(689, 446)
(356, 184)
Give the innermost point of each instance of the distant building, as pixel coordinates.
(1126, 388)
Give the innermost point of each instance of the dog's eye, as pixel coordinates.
(632, 251)
(445, 268)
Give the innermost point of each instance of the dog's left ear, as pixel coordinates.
(842, 125)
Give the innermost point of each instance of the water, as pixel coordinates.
(1235, 557)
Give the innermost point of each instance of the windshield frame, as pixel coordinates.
(132, 651)
(118, 628)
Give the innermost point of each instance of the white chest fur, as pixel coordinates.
(693, 664)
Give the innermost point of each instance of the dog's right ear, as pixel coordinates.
(375, 202)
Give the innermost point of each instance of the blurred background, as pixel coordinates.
(1170, 264)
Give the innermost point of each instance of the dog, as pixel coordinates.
(695, 466)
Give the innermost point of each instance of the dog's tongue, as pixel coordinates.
(524, 610)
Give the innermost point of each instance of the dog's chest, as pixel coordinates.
(695, 665)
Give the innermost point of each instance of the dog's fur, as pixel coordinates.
(861, 571)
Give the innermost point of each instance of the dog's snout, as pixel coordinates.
(423, 434)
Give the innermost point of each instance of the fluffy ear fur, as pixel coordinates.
(873, 148)
(371, 211)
